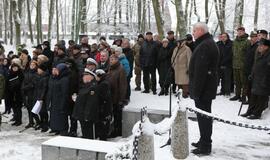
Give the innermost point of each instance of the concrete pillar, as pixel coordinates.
(146, 147)
(179, 143)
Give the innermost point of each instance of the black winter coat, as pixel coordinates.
(226, 54)
(57, 100)
(249, 59)
(104, 98)
(14, 83)
(48, 53)
(261, 75)
(59, 59)
(163, 64)
(148, 54)
(28, 87)
(87, 105)
(203, 69)
(104, 66)
(41, 89)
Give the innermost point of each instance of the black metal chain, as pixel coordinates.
(238, 124)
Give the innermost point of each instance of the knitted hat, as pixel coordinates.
(17, 61)
(61, 67)
(43, 67)
(119, 49)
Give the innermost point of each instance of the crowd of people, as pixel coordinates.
(90, 84)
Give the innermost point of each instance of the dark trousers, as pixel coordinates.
(16, 105)
(225, 77)
(257, 104)
(73, 125)
(147, 72)
(32, 117)
(44, 118)
(205, 124)
(88, 129)
(117, 112)
(128, 88)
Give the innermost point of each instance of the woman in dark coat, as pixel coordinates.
(58, 98)
(105, 105)
(163, 66)
(41, 89)
(86, 108)
(28, 89)
(118, 82)
(14, 83)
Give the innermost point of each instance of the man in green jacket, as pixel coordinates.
(240, 45)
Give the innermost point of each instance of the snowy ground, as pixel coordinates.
(229, 142)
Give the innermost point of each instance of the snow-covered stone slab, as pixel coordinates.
(132, 115)
(69, 148)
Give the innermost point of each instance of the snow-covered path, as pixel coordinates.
(229, 142)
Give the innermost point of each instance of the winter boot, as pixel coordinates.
(235, 98)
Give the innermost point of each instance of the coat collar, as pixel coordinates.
(202, 38)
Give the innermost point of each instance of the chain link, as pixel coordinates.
(238, 124)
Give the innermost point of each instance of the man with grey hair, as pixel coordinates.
(203, 83)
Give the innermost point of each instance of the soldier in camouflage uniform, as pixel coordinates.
(138, 71)
(240, 46)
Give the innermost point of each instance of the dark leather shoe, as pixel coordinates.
(44, 129)
(154, 92)
(18, 123)
(137, 88)
(161, 93)
(145, 91)
(29, 125)
(253, 117)
(201, 151)
(235, 98)
(245, 114)
(196, 144)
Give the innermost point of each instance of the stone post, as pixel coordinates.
(179, 143)
(146, 147)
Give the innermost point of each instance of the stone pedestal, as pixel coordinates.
(180, 143)
(146, 147)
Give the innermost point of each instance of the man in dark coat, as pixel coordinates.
(163, 66)
(249, 60)
(105, 105)
(118, 83)
(58, 98)
(260, 82)
(225, 64)
(48, 52)
(203, 83)
(61, 56)
(41, 89)
(104, 63)
(28, 90)
(86, 108)
(148, 62)
(172, 44)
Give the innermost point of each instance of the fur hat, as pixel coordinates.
(118, 49)
(43, 67)
(16, 61)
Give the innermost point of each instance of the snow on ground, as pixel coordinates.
(229, 142)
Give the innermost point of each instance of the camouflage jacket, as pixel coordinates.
(240, 46)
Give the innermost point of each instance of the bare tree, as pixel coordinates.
(51, 13)
(158, 17)
(181, 23)
(143, 20)
(206, 11)
(220, 12)
(16, 6)
(11, 23)
(238, 14)
(186, 11)
(115, 12)
(39, 21)
(1, 19)
(139, 14)
(57, 20)
(127, 12)
(29, 21)
(5, 9)
(83, 24)
(256, 15)
(73, 19)
(120, 11)
(195, 11)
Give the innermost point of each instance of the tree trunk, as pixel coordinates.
(149, 15)
(120, 11)
(83, 17)
(158, 17)
(11, 23)
(238, 14)
(181, 24)
(139, 14)
(206, 12)
(115, 13)
(256, 15)
(39, 22)
(195, 11)
(57, 20)
(143, 20)
(29, 21)
(78, 21)
(5, 19)
(127, 13)
(73, 20)
(186, 11)
(99, 15)
(1, 18)
(17, 20)
(220, 12)
(189, 16)
(51, 12)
